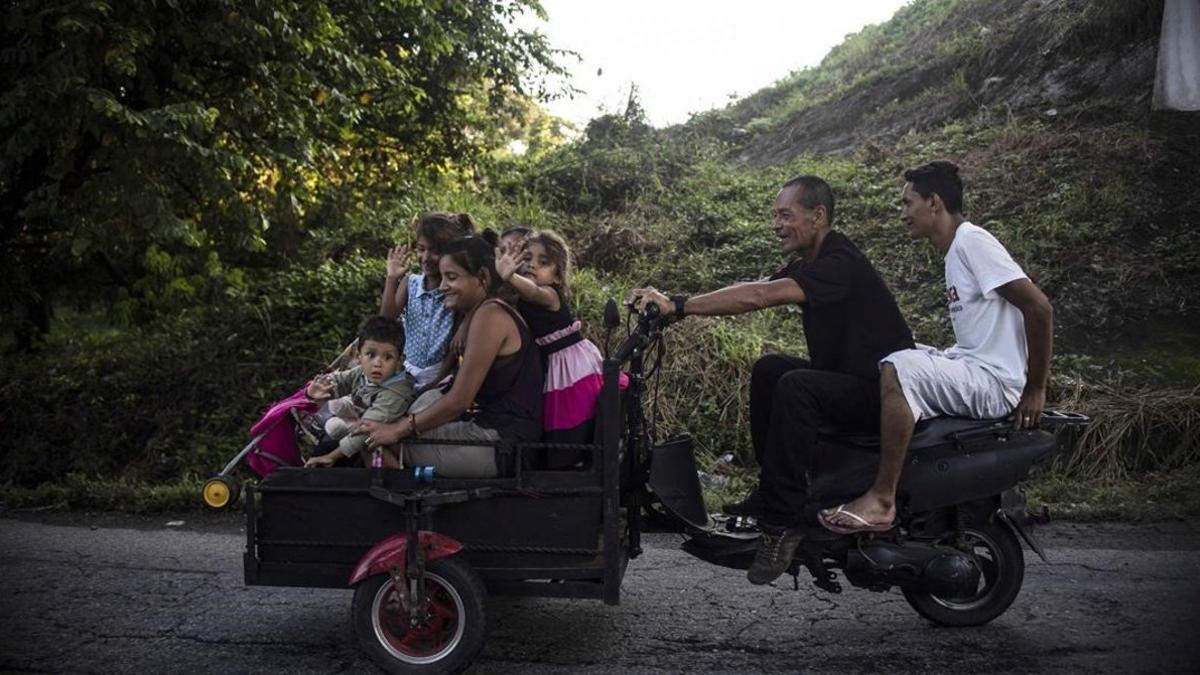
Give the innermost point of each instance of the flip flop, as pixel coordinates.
(839, 529)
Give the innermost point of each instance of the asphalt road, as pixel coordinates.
(105, 594)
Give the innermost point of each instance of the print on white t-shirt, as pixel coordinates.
(987, 328)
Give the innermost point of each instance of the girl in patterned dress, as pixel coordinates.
(539, 273)
(416, 300)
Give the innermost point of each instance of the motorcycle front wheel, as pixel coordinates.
(1002, 564)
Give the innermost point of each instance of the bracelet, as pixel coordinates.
(680, 301)
(412, 424)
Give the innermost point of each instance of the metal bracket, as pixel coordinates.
(1018, 525)
(1012, 513)
(822, 577)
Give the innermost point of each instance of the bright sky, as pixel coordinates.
(691, 56)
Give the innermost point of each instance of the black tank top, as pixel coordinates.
(510, 398)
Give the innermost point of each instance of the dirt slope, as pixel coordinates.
(941, 60)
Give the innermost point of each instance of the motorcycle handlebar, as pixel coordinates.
(650, 323)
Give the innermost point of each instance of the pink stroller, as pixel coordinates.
(275, 442)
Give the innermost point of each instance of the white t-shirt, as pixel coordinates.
(987, 328)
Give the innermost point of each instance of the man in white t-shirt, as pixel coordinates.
(999, 364)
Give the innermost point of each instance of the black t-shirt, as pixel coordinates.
(851, 320)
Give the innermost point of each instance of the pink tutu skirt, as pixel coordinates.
(574, 377)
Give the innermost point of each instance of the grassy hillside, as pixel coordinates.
(1045, 106)
(941, 60)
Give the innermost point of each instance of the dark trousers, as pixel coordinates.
(789, 402)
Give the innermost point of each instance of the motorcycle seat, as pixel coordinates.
(928, 433)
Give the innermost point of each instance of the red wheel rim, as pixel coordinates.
(429, 641)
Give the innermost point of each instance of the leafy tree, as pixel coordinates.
(155, 148)
(620, 158)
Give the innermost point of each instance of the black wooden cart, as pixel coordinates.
(421, 556)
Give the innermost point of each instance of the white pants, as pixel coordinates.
(344, 414)
(936, 385)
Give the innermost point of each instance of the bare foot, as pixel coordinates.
(872, 510)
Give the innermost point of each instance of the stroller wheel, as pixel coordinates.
(220, 492)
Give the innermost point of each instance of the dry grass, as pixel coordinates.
(704, 389)
(1133, 432)
(704, 386)
(1154, 496)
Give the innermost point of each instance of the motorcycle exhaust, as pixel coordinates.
(939, 570)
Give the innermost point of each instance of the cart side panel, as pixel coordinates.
(316, 526)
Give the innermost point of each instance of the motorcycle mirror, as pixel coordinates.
(612, 316)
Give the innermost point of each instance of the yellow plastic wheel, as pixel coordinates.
(219, 492)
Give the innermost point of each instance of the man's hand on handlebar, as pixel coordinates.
(655, 311)
(639, 298)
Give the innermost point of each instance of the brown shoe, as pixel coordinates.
(776, 548)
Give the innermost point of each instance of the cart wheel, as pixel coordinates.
(220, 492)
(445, 642)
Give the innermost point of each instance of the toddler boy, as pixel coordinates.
(378, 389)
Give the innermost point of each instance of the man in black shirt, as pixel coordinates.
(851, 321)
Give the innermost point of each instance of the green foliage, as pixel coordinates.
(155, 148)
(178, 394)
(620, 160)
(1152, 496)
(704, 387)
(1060, 195)
(1106, 21)
(221, 234)
(78, 491)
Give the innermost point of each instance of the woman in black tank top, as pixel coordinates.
(497, 391)
(510, 398)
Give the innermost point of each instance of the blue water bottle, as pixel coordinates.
(423, 474)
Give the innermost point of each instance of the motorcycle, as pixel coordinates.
(955, 550)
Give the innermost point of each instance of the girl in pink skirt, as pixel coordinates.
(572, 364)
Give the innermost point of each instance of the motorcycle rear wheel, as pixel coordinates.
(1002, 562)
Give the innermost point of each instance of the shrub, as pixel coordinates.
(1133, 431)
(177, 394)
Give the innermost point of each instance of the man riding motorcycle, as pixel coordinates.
(851, 321)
